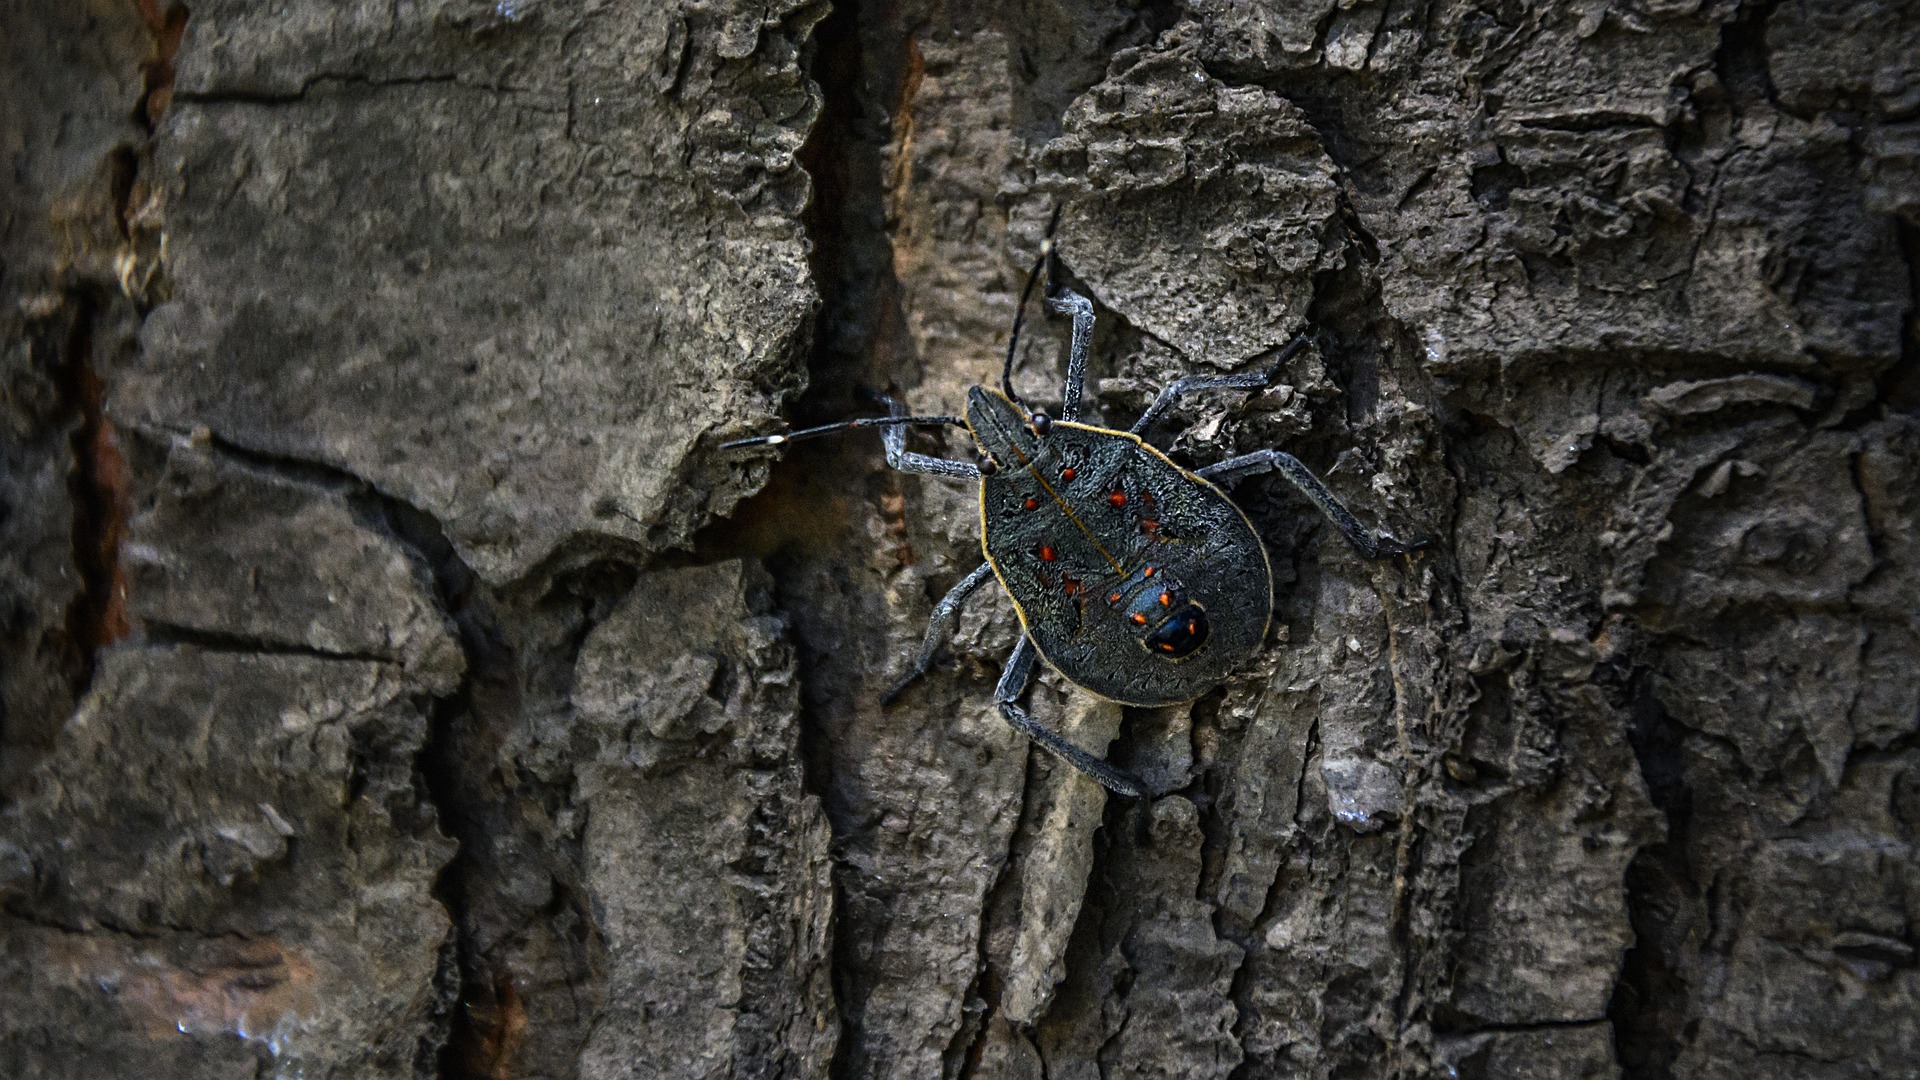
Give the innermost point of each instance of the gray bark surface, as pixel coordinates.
(397, 681)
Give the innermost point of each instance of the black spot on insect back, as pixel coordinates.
(1181, 635)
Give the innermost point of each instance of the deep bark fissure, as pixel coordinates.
(1900, 385)
(157, 632)
(797, 521)
(1211, 749)
(1242, 986)
(99, 484)
(168, 26)
(963, 1061)
(1648, 1008)
(475, 1010)
(1742, 58)
(99, 487)
(343, 80)
(492, 816)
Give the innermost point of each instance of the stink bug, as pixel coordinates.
(1136, 579)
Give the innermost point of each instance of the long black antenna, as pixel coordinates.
(844, 425)
(1044, 262)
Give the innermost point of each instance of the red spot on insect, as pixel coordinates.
(1166, 646)
(1118, 498)
(1047, 554)
(1072, 586)
(1033, 504)
(1149, 525)
(1139, 619)
(1068, 474)
(1166, 599)
(1191, 627)
(1148, 572)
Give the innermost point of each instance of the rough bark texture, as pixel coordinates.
(396, 681)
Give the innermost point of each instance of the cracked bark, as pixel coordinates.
(397, 682)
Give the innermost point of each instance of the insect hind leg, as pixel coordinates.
(1007, 694)
(1371, 544)
(945, 614)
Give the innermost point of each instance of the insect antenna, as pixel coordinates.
(1300, 341)
(844, 425)
(1044, 262)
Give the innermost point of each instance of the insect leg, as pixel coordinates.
(905, 460)
(945, 613)
(1372, 545)
(1251, 380)
(1007, 695)
(1068, 302)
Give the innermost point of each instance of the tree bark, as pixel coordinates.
(397, 680)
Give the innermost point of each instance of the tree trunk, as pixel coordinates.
(399, 681)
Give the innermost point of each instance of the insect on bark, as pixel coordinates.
(1135, 579)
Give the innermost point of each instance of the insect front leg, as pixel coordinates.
(905, 460)
(1251, 380)
(945, 614)
(893, 434)
(1372, 545)
(1013, 681)
(1068, 302)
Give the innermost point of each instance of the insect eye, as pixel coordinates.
(988, 466)
(1042, 423)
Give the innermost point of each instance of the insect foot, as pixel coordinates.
(1137, 580)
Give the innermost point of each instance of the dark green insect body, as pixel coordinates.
(1136, 579)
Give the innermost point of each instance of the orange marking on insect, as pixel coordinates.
(1166, 646)
(1068, 473)
(1150, 525)
(1190, 627)
(1113, 598)
(1047, 554)
(1072, 586)
(1166, 599)
(1033, 504)
(1118, 498)
(1148, 572)
(1139, 619)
